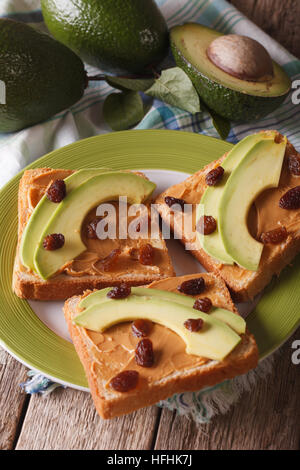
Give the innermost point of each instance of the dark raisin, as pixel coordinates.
(91, 229)
(57, 191)
(294, 165)
(204, 305)
(275, 236)
(125, 381)
(107, 263)
(206, 225)
(194, 324)
(141, 328)
(291, 199)
(54, 241)
(119, 292)
(146, 254)
(192, 286)
(144, 355)
(174, 202)
(214, 176)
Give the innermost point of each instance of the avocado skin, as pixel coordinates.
(113, 35)
(230, 104)
(42, 76)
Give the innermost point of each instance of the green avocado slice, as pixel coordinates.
(229, 96)
(236, 322)
(43, 212)
(69, 215)
(258, 171)
(214, 341)
(209, 205)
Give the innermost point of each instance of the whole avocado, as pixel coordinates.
(41, 76)
(114, 35)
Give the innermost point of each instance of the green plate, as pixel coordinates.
(28, 339)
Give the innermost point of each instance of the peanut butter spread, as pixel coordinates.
(90, 262)
(114, 350)
(264, 215)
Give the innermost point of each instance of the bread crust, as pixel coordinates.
(244, 285)
(27, 285)
(112, 404)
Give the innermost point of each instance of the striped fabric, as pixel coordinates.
(85, 119)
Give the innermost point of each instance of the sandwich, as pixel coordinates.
(59, 252)
(141, 345)
(242, 220)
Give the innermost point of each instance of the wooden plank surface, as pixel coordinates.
(67, 419)
(266, 418)
(12, 401)
(279, 18)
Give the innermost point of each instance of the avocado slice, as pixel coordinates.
(236, 322)
(231, 97)
(69, 215)
(214, 341)
(209, 205)
(42, 76)
(44, 211)
(258, 171)
(115, 36)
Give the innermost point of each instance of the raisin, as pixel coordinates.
(275, 236)
(144, 355)
(57, 191)
(107, 263)
(146, 254)
(214, 176)
(125, 381)
(194, 324)
(294, 165)
(141, 328)
(192, 286)
(173, 201)
(119, 292)
(206, 225)
(54, 241)
(204, 305)
(291, 199)
(91, 229)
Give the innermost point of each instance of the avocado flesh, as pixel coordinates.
(42, 76)
(214, 341)
(69, 215)
(42, 214)
(258, 171)
(234, 321)
(209, 205)
(230, 97)
(116, 36)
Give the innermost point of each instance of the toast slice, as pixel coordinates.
(79, 276)
(107, 354)
(264, 216)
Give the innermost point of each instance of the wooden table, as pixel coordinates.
(266, 418)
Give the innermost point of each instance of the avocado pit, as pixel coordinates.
(242, 57)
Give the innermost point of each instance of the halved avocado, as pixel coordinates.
(233, 98)
(68, 217)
